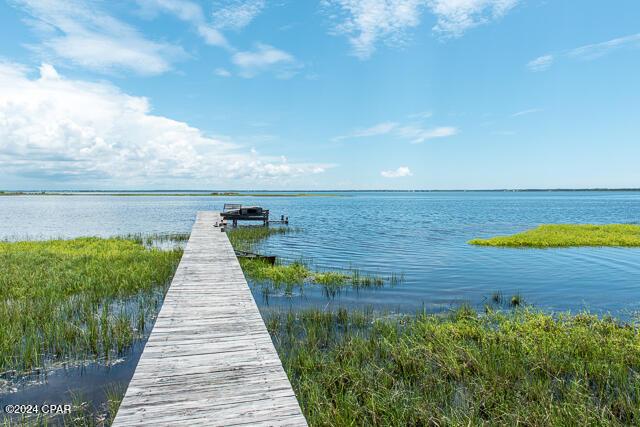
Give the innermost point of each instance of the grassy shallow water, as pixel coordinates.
(85, 298)
(518, 368)
(569, 235)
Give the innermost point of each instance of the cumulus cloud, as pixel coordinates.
(265, 57)
(402, 171)
(368, 22)
(236, 14)
(52, 127)
(414, 132)
(91, 38)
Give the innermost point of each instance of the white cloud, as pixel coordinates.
(541, 63)
(418, 134)
(55, 128)
(91, 38)
(367, 22)
(597, 50)
(457, 16)
(222, 72)
(186, 11)
(587, 52)
(375, 130)
(263, 58)
(526, 112)
(402, 171)
(415, 133)
(236, 14)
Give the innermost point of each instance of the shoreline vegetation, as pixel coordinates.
(509, 365)
(160, 194)
(90, 298)
(289, 193)
(568, 235)
(524, 367)
(82, 300)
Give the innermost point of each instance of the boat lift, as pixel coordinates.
(236, 212)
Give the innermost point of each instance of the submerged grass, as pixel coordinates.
(85, 298)
(568, 235)
(519, 368)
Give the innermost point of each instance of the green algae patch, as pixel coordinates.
(568, 235)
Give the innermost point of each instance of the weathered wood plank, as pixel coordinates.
(209, 360)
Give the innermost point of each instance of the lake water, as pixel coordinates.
(422, 235)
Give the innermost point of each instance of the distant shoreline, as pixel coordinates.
(286, 193)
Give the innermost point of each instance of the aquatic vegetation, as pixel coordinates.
(568, 235)
(77, 299)
(247, 238)
(162, 240)
(289, 277)
(519, 368)
(497, 297)
(516, 300)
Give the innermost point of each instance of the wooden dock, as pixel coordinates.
(209, 360)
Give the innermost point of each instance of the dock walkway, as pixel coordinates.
(209, 359)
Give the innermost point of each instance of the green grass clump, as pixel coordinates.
(77, 299)
(247, 238)
(296, 275)
(518, 368)
(260, 270)
(568, 235)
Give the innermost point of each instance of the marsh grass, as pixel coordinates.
(518, 368)
(292, 277)
(247, 238)
(569, 235)
(82, 414)
(79, 299)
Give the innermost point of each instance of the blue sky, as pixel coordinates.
(328, 94)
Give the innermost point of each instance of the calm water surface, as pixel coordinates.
(422, 235)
